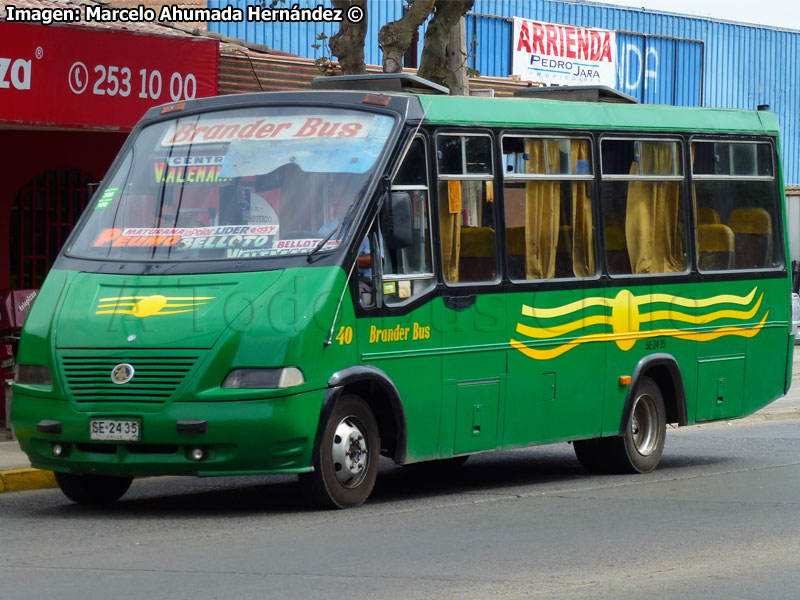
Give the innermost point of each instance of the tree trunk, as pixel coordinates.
(457, 58)
(433, 65)
(348, 44)
(395, 37)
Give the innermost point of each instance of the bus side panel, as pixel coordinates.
(741, 347)
(555, 374)
(766, 352)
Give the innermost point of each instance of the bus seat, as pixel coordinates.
(707, 216)
(564, 252)
(752, 228)
(477, 258)
(617, 250)
(715, 247)
(515, 247)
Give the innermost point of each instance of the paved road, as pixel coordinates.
(719, 519)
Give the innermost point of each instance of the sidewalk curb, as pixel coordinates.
(778, 415)
(759, 417)
(20, 480)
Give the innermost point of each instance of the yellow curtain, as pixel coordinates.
(652, 226)
(450, 227)
(542, 209)
(582, 231)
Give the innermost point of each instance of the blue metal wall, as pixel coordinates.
(298, 38)
(662, 58)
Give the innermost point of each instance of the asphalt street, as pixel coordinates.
(720, 518)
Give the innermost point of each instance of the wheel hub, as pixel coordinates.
(349, 453)
(644, 425)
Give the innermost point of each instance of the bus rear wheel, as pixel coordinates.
(640, 448)
(92, 489)
(347, 459)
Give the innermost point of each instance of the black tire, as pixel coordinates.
(593, 454)
(93, 489)
(640, 449)
(347, 459)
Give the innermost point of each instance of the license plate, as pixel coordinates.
(121, 431)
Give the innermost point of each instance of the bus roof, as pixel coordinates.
(524, 112)
(510, 112)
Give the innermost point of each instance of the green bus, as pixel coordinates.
(301, 282)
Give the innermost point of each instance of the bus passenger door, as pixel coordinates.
(473, 372)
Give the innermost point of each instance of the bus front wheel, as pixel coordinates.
(92, 489)
(347, 459)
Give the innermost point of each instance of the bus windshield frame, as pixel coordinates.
(325, 160)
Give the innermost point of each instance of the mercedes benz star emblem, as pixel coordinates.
(122, 374)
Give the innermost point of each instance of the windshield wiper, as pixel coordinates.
(321, 244)
(345, 220)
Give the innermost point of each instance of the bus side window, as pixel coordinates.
(644, 228)
(405, 273)
(466, 208)
(736, 205)
(548, 207)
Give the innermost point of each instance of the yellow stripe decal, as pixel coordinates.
(625, 321)
(556, 330)
(549, 313)
(150, 306)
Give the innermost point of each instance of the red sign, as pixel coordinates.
(75, 77)
(282, 128)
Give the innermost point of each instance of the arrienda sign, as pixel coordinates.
(70, 77)
(563, 54)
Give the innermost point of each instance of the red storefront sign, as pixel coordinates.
(76, 77)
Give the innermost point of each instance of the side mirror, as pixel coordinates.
(397, 221)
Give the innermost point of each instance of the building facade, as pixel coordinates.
(660, 58)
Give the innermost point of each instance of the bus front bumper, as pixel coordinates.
(251, 437)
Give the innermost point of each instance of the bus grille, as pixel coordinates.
(155, 378)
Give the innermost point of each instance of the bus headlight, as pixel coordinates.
(264, 378)
(34, 375)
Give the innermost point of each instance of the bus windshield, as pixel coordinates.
(235, 184)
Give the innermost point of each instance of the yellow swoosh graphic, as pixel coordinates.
(556, 330)
(671, 315)
(641, 335)
(625, 320)
(165, 297)
(703, 303)
(560, 311)
(549, 313)
(150, 306)
(121, 304)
